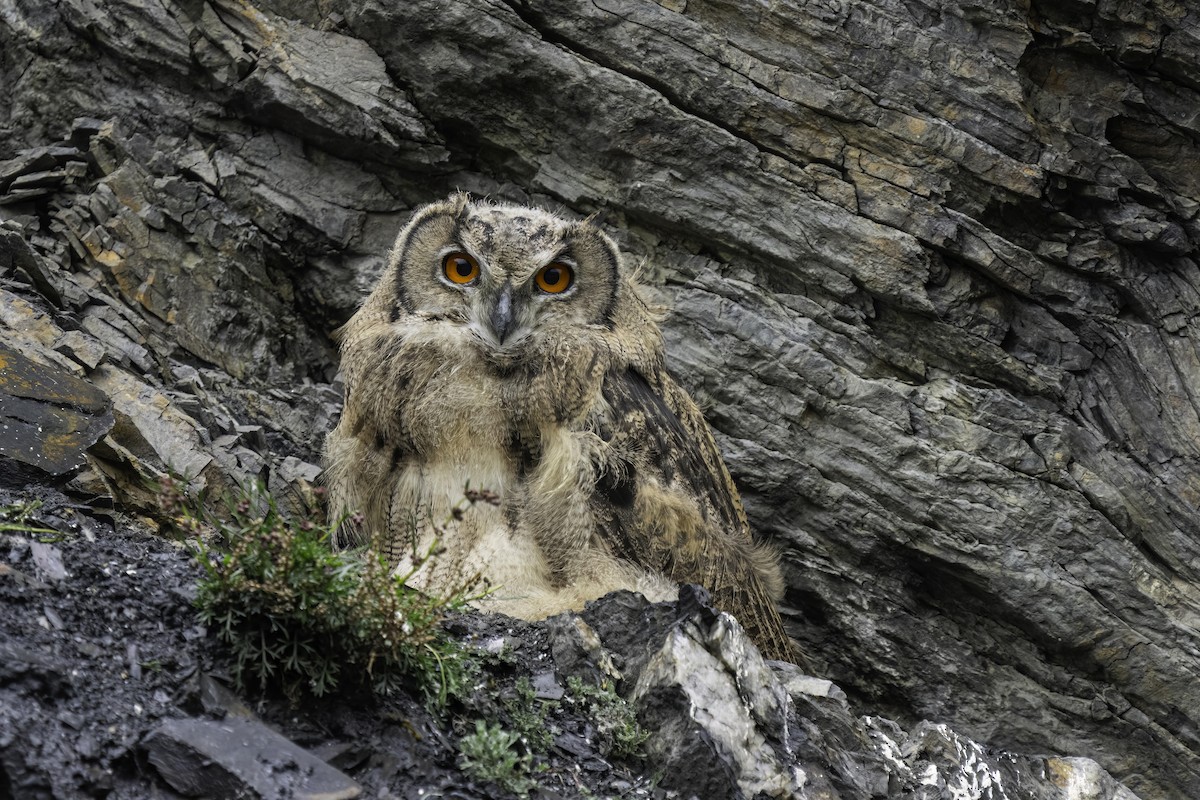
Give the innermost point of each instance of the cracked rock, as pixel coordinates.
(237, 755)
(48, 417)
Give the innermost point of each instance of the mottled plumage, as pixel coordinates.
(505, 347)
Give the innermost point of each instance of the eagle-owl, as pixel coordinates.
(506, 348)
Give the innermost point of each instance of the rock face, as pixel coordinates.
(723, 723)
(930, 268)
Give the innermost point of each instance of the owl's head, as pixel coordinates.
(505, 274)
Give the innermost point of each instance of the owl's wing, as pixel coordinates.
(665, 499)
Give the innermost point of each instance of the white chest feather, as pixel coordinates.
(507, 545)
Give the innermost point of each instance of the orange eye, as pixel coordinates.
(555, 278)
(460, 268)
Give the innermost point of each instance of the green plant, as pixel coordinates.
(489, 754)
(303, 618)
(615, 719)
(528, 715)
(15, 517)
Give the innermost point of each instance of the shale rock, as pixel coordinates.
(48, 417)
(237, 756)
(724, 723)
(931, 270)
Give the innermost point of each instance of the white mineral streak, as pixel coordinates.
(720, 703)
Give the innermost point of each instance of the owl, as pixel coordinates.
(507, 349)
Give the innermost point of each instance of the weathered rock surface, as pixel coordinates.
(724, 723)
(107, 688)
(48, 417)
(237, 757)
(931, 269)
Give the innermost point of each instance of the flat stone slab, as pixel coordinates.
(236, 756)
(48, 417)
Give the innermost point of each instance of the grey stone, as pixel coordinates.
(48, 417)
(722, 722)
(103, 326)
(40, 670)
(16, 254)
(150, 427)
(708, 697)
(939, 763)
(39, 180)
(49, 561)
(322, 86)
(220, 701)
(35, 161)
(577, 650)
(546, 687)
(82, 348)
(234, 756)
(929, 268)
(292, 469)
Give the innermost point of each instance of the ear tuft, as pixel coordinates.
(457, 202)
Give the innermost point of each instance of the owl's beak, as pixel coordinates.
(502, 319)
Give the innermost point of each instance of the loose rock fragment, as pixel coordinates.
(48, 560)
(711, 700)
(82, 348)
(48, 417)
(236, 756)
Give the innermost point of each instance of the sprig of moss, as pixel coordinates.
(529, 716)
(616, 721)
(302, 618)
(490, 754)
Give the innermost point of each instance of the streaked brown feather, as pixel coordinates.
(666, 499)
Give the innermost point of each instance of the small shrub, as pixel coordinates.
(303, 618)
(615, 719)
(489, 754)
(529, 717)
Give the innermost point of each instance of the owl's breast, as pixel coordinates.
(518, 427)
(456, 410)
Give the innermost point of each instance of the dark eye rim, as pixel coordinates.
(460, 280)
(561, 265)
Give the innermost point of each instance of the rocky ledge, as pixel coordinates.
(109, 687)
